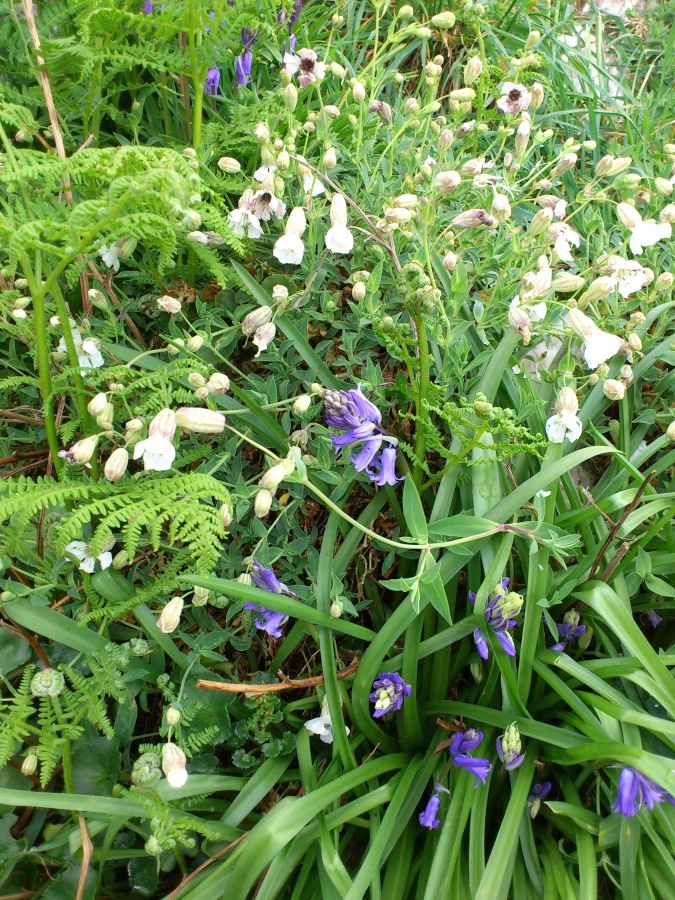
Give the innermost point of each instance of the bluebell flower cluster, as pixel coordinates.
(245, 58)
(568, 630)
(389, 689)
(509, 747)
(283, 18)
(429, 816)
(500, 612)
(360, 420)
(269, 620)
(538, 794)
(212, 81)
(462, 743)
(654, 618)
(636, 790)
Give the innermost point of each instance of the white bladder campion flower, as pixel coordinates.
(157, 449)
(323, 725)
(173, 765)
(88, 354)
(643, 233)
(263, 336)
(339, 238)
(243, 220)
(289, 249)
(564, 237)
(598, 345)
(264, 204)
(564, 423)
(110, 256)
(307, 64)
(87, 561)
(514, 99)
(627, 274)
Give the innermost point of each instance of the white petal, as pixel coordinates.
(339, 239)
(289, 249)
(177, 777)
(88, 564)
(599, 347)
(78, 549)
(105, 559)
(555, 429)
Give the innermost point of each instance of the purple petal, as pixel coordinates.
(428, 818)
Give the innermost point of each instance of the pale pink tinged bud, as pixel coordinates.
(663, 186)
(359, 291)
(473, 218)
(508, 159)
(501, 208)
(463, 129)
(463, 95)
(536, 96)
(262, 503)
(254, 320)
(447, 182)
(544, 280)
(634, 341)
(169, 304)
(473, 167)
(667, 214)
(613, 389)
(599, 289)
(472, 70)
(196, 379)
(200, 421)
(226, 514)
(338, 210)
(164, 424)
(522, 138)
(619, 165)
(566, 162)
(358, 92)
(330, 158)
(218, 383)
(445, 138)
(604, 165)
(541, 221)
(664, 281)
(116, 464)
(170, 616)
(173, 765)
(97, 404)
(628, 215)
(280, 294)
(566, 401)
(626, 375)
(567, 283)
(520, 322)
(331, 111)
(406, 201)
(82, 451)
(264, 336)
(297, 222)
(229, 165)
(450, 260)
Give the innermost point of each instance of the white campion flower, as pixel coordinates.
(264, 172)
(536, 311)
(173, 765)
(514, 99)
(265, 204)
(289, 249)
(564, 237)
(263, 337)
(628, 275)
(598, 345)
(564, 423)
(307, 64)
(88, 354)
(157, 449)
(323, 725)
(242, 220)
(81, 551)
(110, 256)
(646, 234)
(339, 238)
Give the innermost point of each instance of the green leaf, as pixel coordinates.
(413, 511)
(96, 765)
(458, 526)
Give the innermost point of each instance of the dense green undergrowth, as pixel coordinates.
(338, 457)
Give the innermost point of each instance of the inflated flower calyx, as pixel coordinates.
(169, 618)
(116, 464)
(29, 765)
(199, 420)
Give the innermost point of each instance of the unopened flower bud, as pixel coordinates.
(536, 96)
(599, 289)
(566, 162)
(170, 616)
(445, 138)
(200, 421)
(169, 304)
(670, 431)
(443, 20)
(397, 216)
(358, 92)
(173, 765)
(273, 477)
(336, 609)
(628, 215)
(175, 348)
(447, 182)
(229, 165)
(541, 221)
(133, 426)
(663, 186)
(29, 765)
(567, 283)
(116, 464)
(423, 32)
(521, 322)
(262, 503)
(304, 401)
(473, 218)
(201, 595)
(450, 260)
(472, 70)
(509, 748)
(82, 451)
(126, 246)
(634, 341)
(501, 208)
(226, 514)
(261, 133)
(173, 715)
(566, 401)
(260, 316)
(406, 12)
(667, 214)
(330, 159)
(664, 281)
(613, 389)
(218, 383)
(263, 336)
(96, 298)
(196, 379)
(97, 404)
(195, 343)
(359, 291)
(337, 70)
(463, 95)
(411, 107)
(120, 560)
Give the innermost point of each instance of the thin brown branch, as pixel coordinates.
(203, 866)
(87, 851)
(286, 684)
(635, 502)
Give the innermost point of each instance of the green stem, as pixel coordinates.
(197, 83)
(422, 392)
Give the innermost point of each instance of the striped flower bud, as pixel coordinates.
(229, 164)
(173, 765)
(201, 421)
(613, 389)
(262, 503)
(254, 320)
(472, 70)
(473, 218)
(447, 182)
(116, 464)
(97, 404)
(170, 616)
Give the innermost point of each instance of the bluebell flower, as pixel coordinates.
(500, 611)
(428, 817)
(243, 68)
(509, 747)
(389, 689)
(654, 618)
(212, 81)
(569, 629)
(539, 793)
(360, 420)
(636, 790)
(462, 743)
(147, 8)
(269, 621)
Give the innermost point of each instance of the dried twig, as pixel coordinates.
(635, 502)
(87, 851)
(286, 684)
